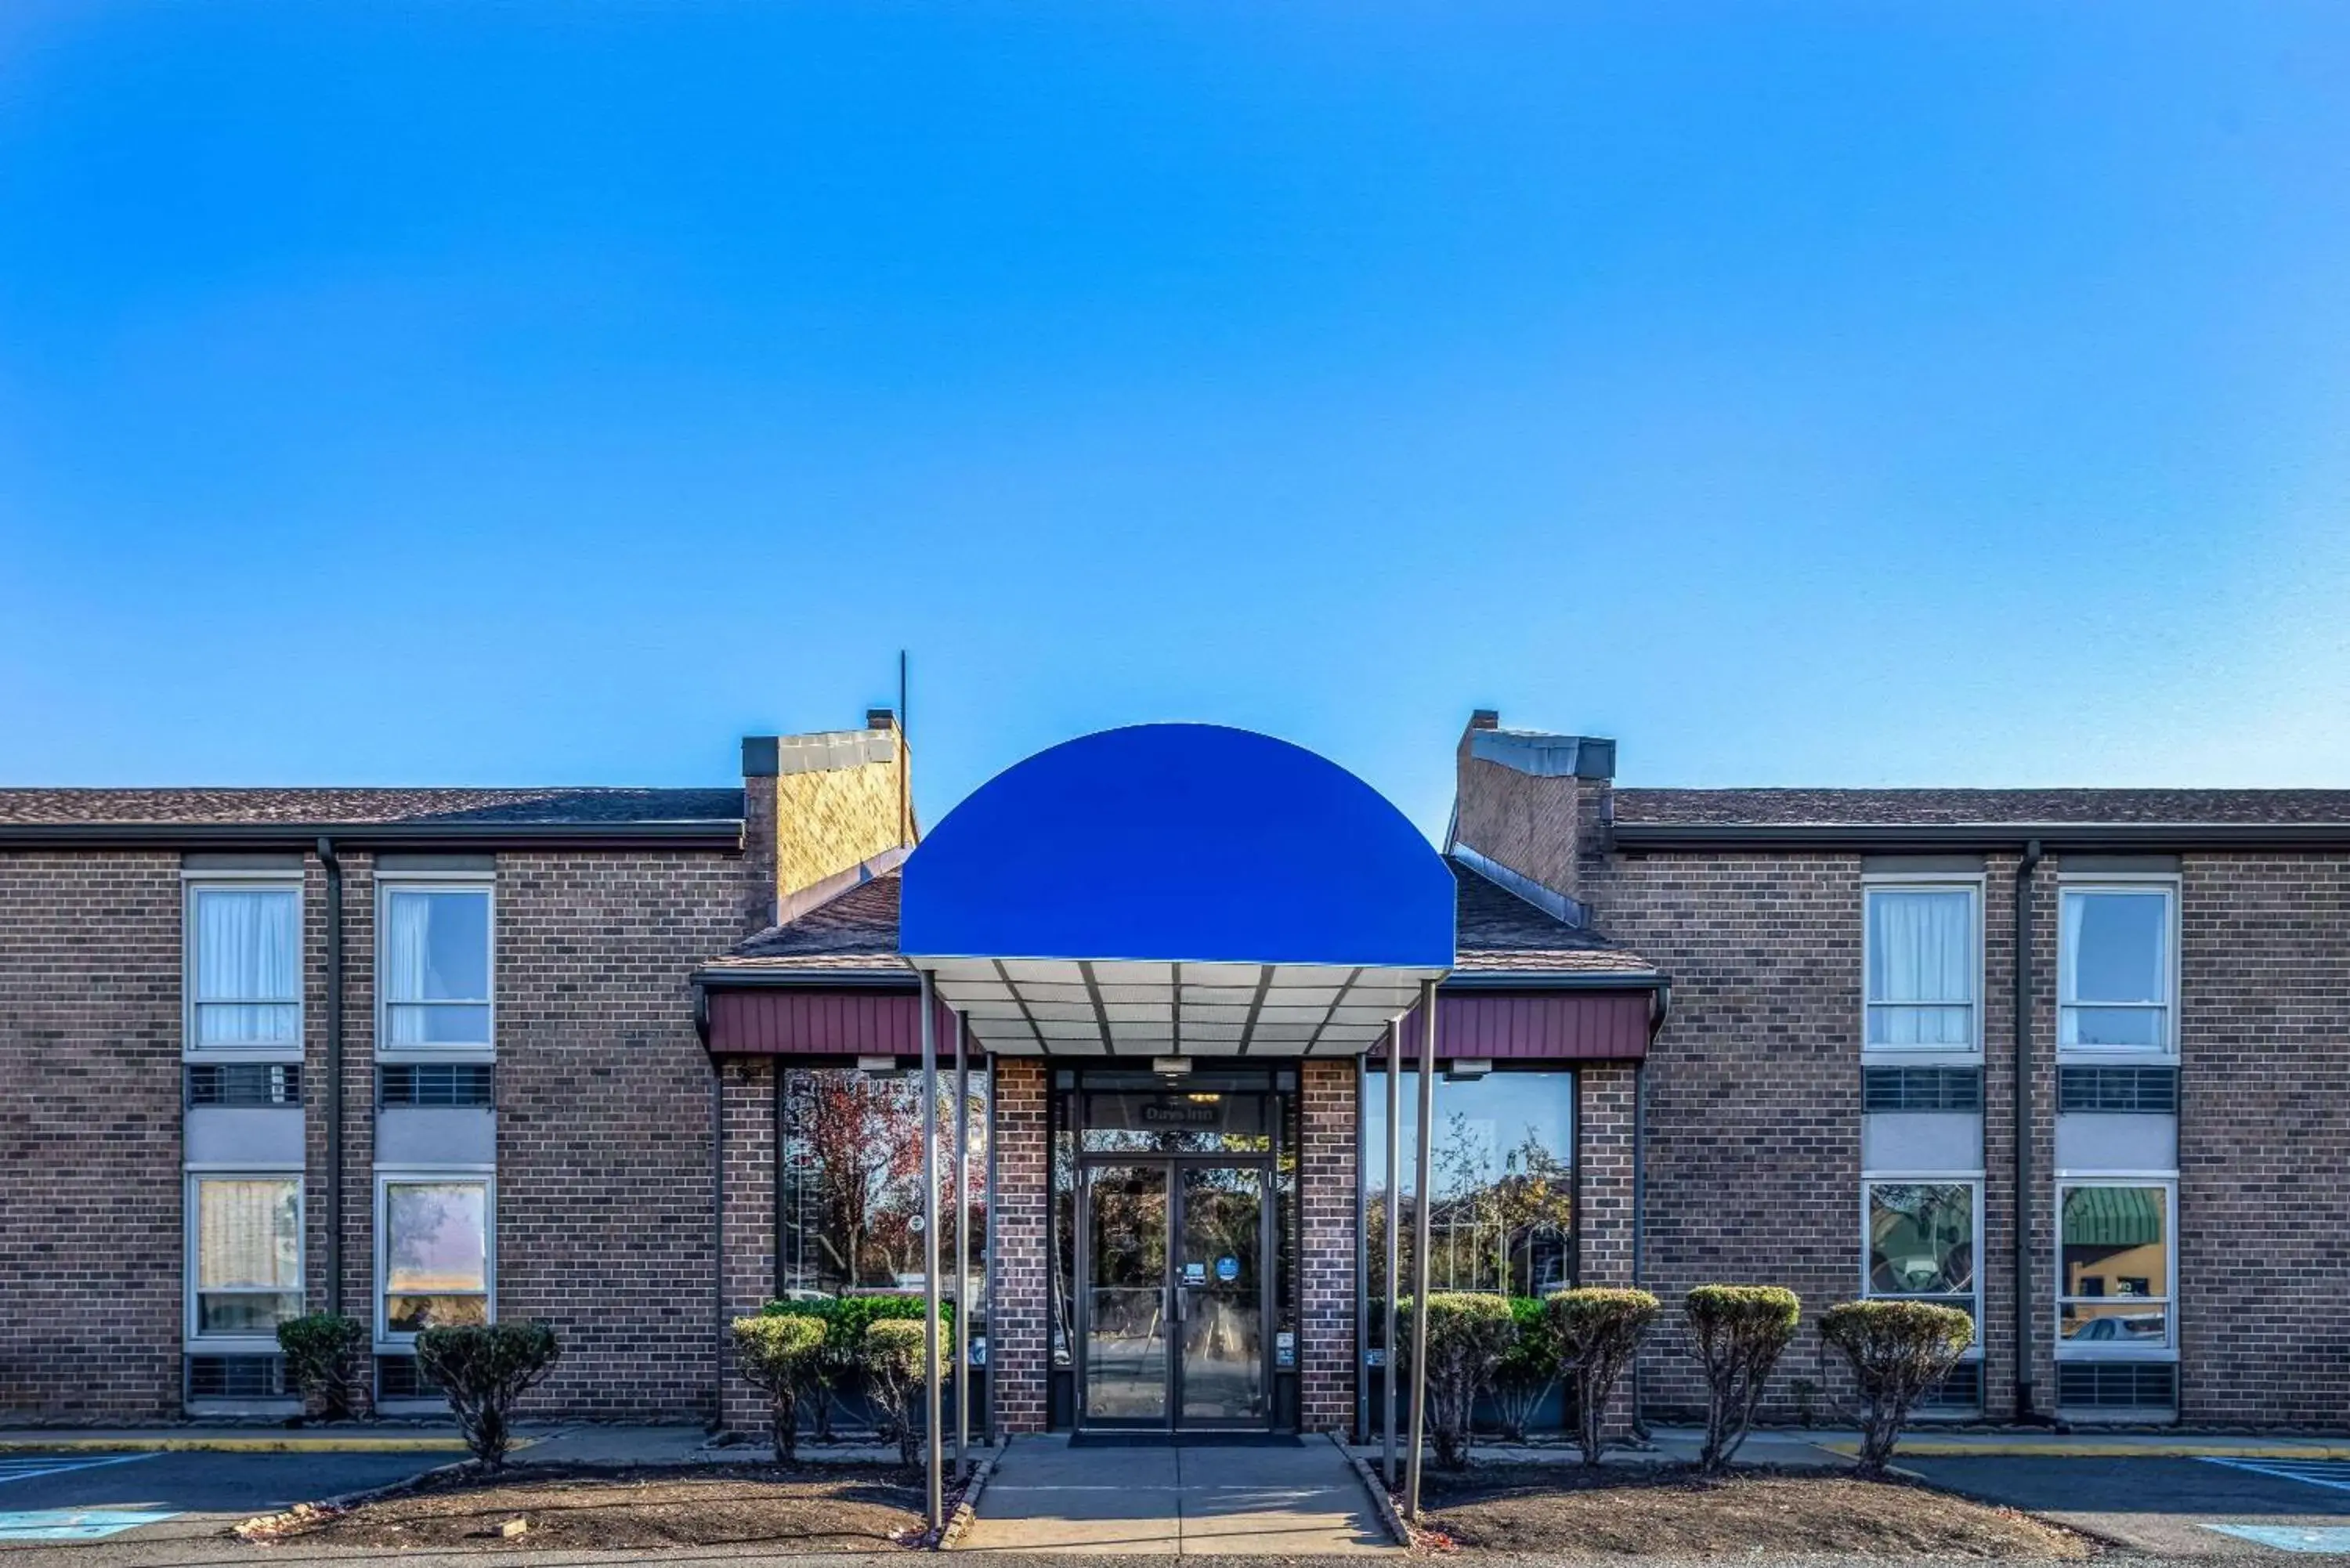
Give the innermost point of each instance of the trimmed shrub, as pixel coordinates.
(1898, 1351)
(1740, 1331)
(839, 1368)
(893, 1363)
(779, 1355)
(486, 1368)
(1527, 1371)
(1598, 1334)
(326, 1357)
(1468, 1334)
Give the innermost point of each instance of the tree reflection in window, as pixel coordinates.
(853, 1183)
(1503, 1163)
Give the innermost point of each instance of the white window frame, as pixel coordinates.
(1972, 1180)
(221, 1344)
(2166, 1047)
(386, 1341)
(2097, 1350)
(483, 882)
(1970, 882)
(193, 883)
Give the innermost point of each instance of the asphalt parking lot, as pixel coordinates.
(53, 1499)
(2168, 1506)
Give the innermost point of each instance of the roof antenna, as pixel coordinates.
(905, 760)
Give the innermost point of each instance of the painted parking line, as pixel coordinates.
(2289, 1537)
(24, 1467)
(76, 1523)
(2333, 1474)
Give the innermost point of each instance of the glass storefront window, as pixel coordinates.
(1504, 1216)
(852, 1187)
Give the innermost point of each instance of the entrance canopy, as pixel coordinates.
(1178, 890)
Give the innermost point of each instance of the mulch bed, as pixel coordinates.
(1665, 1510)
(816, 1508)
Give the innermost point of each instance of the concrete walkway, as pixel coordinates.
(1188, 1501)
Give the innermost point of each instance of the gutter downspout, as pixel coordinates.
(2025, 1305)
(1659, 1012)
(717, 1241)
(334, 1107)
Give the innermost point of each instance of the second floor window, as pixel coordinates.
(1921, 967)
(436, 968)
(245, 967)
(2114, 967)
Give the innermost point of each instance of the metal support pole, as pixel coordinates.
(938, 1509)
(1421, 1177)
(1394, 1245)
(963, 1248)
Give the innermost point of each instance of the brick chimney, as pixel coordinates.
(1530, 810)
(822, 812)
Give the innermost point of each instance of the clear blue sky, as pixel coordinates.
(521, 393)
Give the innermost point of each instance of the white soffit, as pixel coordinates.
(1114, 1007)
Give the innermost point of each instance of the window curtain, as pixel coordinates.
(248, 1235)
(407, 958)
(1921, 951)
(247, 968)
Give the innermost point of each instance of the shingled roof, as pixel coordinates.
(581, 807)
(1972, 807)
(857, 930)
(1499, 933)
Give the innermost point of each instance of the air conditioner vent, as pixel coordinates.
(1921, 1089)
(236, 1377)
(436, 1084)
(244, 1083)
(2148, 1386)
(1961, 1390)
(2151, 1090)
(400, 1377)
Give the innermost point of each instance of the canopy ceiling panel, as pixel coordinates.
(1178, 890)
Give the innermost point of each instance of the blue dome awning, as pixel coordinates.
(1175, 887)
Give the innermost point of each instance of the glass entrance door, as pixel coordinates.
(1220, 1297)
(1174, 1297)
(1127, 1357)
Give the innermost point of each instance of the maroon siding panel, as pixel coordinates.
(791, 1022)
(1541, 1026)
(1546, 1026)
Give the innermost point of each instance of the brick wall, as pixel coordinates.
(749, 1224)
(1753, 1116)
(1603, 1155)
(359, 1082)
(2265, 1133)
(1019, 1354)
(1327, 1167)
(604, 1124)
(832, 820)
(91, 1247)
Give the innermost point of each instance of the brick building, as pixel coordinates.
(635, 1062)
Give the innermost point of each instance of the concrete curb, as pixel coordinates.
(960, 1521)
(2051, 1449)
(1399, 1533)
(242, 1444)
